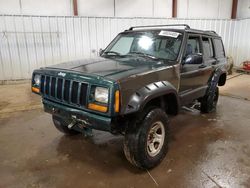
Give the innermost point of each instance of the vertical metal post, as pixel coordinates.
(174, 8)
(75, 7)
(234, 9)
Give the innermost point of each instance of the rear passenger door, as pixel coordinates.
(219, 52)
(209, 60)
(194, 77)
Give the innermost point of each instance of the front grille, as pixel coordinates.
(69, 91)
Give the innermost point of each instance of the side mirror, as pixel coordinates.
(193, 59)
(101, 51)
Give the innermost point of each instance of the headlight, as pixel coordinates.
(37, 80)
(101, 94)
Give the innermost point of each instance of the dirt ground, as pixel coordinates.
(211, 150)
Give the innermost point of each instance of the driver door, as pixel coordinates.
(191, 82)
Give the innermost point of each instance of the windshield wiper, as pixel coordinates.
(112, 53)
(144, 55)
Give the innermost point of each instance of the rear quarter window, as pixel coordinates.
(219, 49)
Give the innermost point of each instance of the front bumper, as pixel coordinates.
(84, 119)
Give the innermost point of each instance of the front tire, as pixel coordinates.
(62, 126)
(146, 142)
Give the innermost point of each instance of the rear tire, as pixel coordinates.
(62, 126)
(146, 142)
(209, 101)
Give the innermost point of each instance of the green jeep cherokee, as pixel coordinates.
(145, 74)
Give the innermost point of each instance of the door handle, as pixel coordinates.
(202, 66)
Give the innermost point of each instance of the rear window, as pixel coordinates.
(219, 49)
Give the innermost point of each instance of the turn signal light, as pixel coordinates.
(117, 101)
(97, 107)
(36, 90)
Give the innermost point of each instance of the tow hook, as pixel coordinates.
(82, 125)
(72, 124)
(75, 121)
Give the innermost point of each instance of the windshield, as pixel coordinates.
(163, 45)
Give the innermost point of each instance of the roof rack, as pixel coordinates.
(211, 31)
(176, 25)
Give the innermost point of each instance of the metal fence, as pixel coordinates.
(30, 42)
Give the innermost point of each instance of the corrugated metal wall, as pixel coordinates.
(30, 42)
(242, 37)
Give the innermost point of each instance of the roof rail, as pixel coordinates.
(146, 26)
(211, 31)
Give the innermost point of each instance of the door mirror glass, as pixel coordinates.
(193, 59)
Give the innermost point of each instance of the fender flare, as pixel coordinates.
(140, 98)
(213, 81)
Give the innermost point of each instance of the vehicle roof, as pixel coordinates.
(171, 28)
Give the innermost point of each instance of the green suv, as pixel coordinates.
(143, 76)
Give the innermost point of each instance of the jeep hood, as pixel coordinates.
(114, 69)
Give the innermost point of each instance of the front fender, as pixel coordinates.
(141, 97)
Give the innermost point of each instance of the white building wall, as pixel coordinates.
(162, 8)
(243, 9)
(47, 7)
(9, 7)
(30, 42)
(143, 8)
(208, 9)
(37, 7)
(215, 9)
(134, 8)
(96, 7)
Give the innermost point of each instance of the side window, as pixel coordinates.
(193, 45)
(207, 48)
(219, 49)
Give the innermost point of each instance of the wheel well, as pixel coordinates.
(167, 102)
(222, 79)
